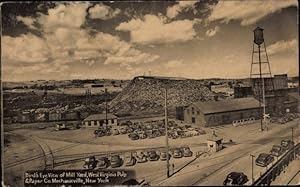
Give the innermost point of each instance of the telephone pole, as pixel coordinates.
(252, 167)
(106, 122)
(167, 138)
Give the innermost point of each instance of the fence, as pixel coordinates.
(236, 123)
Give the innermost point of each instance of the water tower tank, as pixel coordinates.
(258, 36)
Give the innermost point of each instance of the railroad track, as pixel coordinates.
(47, 153)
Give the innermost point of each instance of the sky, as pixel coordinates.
(121, 40)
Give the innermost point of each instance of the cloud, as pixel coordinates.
(156, 29)
(212, 32)
(63, 42)
(25, 48)
(174, 64)
(68, 16)
(28, 21)
(103, 12)
(252, 11)
(182, 6)
(283, 46)
(128, 60)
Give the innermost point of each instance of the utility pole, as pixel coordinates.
(252, 157)
(167, 138)
(293, 143)
(106, 122)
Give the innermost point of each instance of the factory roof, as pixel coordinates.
(227, 105)
(94, 117)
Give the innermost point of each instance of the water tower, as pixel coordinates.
(260, 73)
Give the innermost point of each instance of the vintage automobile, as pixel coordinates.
(133, 136)
(129, 159)
(130, 130)
(123, 130)
(153, 156)
(187, 152)
(177, 153)
(90, 163)
(277, 150)
(163, 155)
(287, 144)
(141, 157)
(115, 132)
(235, 178)
(116, 161)
(264, 159)
(103, 163)
(142, 135)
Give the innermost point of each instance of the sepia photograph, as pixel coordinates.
(150, 93)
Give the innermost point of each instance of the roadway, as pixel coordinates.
(214, 169)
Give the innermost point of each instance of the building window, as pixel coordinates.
(89, 123)
(193, 120)
(188, 111)
(193, 111)
(198, 112)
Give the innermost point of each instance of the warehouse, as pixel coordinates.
(213, 113)
(98, 120)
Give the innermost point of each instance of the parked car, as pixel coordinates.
(235, 178)
(115, 132)
(177, 153)
(287, 144)
(129, 159)
(277, 150)
(130, 130)
(201, 131)
(141, 157)
(156, 133)
(194, 133)
(108, 132)
(153, 156)
(163, 155)
(264, 159)
(116, 161)
(60, 127)
(103, 163)
(142, 135)
(90, 163)
(162, 131)
(151, 136)
(187, 152)
(123, 130)
(133, 136)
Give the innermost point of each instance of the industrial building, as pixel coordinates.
(277, 99)
(99, 120)
(213, 113)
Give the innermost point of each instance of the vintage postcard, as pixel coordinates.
(150, 93)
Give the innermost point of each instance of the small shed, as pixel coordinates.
(99, 120)
(214, 143)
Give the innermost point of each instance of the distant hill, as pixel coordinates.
(146, 94)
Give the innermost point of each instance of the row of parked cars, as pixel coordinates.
(263, 160)
(130, 159)
(141, 130)
(286, 118)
